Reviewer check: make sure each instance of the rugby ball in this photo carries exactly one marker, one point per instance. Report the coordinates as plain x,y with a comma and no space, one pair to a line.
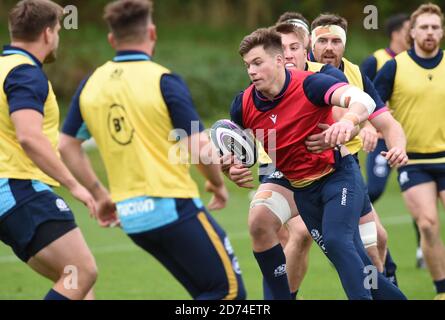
229,138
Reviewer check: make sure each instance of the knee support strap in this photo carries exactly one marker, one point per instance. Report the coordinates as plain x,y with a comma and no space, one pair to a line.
368,233
275,202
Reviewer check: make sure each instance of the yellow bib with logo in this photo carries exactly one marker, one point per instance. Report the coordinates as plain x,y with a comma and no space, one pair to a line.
123,109
14,162
418,103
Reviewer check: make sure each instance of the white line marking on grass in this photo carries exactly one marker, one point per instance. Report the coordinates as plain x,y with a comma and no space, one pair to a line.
10,258
4,259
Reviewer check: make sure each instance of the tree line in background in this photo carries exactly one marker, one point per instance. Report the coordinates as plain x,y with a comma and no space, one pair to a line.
246,13
199,40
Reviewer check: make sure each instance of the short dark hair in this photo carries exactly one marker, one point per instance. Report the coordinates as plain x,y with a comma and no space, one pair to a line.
29,18
325,19
395,23
128,19
268,38
290,15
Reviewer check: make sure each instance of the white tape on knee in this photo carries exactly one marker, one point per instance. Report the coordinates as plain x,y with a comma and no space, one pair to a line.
368,233
275,202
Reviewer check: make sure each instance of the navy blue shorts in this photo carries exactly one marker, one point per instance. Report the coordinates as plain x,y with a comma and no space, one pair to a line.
197,252
278,178
26,227
341,191
415,174
377,171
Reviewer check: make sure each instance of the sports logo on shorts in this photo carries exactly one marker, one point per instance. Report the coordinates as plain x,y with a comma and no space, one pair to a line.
235,265
280,271
381,166
318,238
228,245
403,178
62,206
276,175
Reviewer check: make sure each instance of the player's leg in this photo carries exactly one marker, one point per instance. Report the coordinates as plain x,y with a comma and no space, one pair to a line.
343,196
52,275
42,233
268,212
297,253
199,255
70,264
421,200
420,261
289,236
381,288
440,179
382,240
369,236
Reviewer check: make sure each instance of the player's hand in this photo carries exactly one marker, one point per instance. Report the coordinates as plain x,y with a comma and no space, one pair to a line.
242,176
226,162
219,198
106,213
315,143
339,132
369,137
396,157
84,196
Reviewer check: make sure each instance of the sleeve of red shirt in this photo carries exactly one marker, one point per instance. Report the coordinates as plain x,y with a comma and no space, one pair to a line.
319,87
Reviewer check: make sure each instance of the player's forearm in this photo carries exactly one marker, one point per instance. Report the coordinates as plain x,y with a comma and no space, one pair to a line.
40,151
80,166
208,163
393,134
358,110
390,129
212,172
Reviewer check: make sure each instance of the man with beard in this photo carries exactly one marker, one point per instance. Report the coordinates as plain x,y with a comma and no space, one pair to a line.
329,192
35,222
328,40
377,168
294,236
413,84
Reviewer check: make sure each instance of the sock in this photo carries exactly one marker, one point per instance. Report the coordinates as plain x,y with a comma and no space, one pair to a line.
440,286
54,295
272,263
390,268
267,293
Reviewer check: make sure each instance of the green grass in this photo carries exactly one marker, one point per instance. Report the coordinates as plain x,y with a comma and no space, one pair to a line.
126,272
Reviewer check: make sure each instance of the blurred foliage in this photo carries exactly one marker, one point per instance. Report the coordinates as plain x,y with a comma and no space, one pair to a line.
199,40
